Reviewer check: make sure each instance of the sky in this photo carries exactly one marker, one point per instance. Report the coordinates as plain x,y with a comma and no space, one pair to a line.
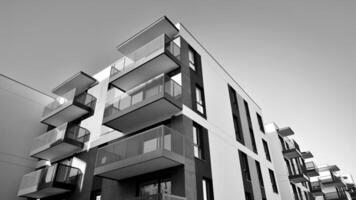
296,59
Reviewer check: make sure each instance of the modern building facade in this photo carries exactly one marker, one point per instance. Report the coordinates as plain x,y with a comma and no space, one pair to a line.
165,121
294,167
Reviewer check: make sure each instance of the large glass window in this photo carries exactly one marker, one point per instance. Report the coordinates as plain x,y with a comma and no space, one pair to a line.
191,57
154,187
260,123
199,99
250,128
207,189
259,173
244,166
273,181
198,141
265,146
236,115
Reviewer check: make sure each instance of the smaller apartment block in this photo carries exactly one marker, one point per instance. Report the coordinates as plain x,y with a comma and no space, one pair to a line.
164,122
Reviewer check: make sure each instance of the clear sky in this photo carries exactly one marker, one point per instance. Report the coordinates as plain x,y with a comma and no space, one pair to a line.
295,58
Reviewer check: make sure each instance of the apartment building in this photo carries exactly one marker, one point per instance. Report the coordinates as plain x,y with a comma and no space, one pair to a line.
294,167
331,185
165,121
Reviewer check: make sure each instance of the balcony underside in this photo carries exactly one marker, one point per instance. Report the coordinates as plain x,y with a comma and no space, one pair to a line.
144,70
159,27
299,178
317,193
81,81
284,132
46,192
146,163
291,153
312,173
65,114
57,150
142,114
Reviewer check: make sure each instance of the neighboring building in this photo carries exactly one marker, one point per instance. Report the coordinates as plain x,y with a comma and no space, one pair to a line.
331,185
294,167
20,111
166,121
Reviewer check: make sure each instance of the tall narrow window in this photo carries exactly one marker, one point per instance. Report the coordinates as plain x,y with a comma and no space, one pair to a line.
199,99
248,196
265,146
244,166
198,141
250,128
238,130
295,192
273,181
191,57
236,115
207,189
260,123
259,173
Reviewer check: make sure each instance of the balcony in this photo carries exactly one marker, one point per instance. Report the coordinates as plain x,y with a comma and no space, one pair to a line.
53,180
310,169
149,103
152,150
332,196
161,55
298,177
80,81
63,140
69,107
292,150
158,197
316,189
284,132
307,155
331,179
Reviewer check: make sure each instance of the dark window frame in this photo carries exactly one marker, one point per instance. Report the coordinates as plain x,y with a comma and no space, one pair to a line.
260,122
273,181
266,148
200,141
202,103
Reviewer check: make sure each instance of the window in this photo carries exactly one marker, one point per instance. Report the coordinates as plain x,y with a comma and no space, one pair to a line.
238,130
236,115
265,146
95,195
295,192
300,193
191,57
207,189
198,141
248,196
259,173
244,166
199,99
250,128
260,123
273,181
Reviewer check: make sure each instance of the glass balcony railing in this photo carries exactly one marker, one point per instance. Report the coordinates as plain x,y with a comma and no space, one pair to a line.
158,197
159,44
84,99
37,183
159,138
155,87
310,165
65,133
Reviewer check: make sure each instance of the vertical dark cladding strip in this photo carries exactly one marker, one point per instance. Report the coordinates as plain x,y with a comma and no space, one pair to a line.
203,166
190,80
